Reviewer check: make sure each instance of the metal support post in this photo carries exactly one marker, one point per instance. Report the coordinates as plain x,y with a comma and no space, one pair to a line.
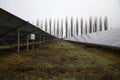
27,43
18,41
44,40
39,41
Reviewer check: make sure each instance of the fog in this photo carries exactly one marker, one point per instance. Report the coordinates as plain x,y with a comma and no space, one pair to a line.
30,10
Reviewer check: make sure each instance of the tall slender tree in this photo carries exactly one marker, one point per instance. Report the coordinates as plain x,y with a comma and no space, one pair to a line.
37,22
57,27
81,26
71,31
46,25
95,24
106,23
54,28
77,25
86,31
90,25
62,28
100,23
74,30
50,24
66,26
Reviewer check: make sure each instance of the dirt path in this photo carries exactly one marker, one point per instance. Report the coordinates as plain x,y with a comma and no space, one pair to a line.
61,60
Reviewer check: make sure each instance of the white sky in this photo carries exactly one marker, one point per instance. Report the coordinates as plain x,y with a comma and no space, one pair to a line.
30,10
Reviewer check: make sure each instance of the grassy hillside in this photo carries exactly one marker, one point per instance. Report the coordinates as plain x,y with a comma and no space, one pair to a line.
60,60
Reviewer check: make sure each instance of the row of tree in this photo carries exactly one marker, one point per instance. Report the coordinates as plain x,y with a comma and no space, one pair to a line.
69,27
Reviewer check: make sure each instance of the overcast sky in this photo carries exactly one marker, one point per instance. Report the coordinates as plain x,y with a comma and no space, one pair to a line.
30,10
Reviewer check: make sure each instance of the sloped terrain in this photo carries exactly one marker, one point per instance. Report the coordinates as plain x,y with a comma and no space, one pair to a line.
60,60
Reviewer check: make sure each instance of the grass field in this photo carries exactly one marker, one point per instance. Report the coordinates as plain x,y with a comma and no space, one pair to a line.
60,60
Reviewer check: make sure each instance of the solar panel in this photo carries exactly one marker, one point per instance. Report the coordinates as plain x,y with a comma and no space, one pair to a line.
106,38
9,24
12,28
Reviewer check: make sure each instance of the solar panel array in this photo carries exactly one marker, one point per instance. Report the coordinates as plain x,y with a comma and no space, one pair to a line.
110,38
9,25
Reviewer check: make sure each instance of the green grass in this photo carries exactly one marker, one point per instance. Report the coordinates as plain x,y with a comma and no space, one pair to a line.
60,60
5,46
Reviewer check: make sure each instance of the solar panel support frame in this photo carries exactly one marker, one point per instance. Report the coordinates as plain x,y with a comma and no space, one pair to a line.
27,42
40,40
18,40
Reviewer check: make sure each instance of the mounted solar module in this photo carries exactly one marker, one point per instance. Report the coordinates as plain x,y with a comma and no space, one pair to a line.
13,29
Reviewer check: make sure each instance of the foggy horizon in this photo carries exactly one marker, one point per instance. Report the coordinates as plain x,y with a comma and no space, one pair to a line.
30,10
